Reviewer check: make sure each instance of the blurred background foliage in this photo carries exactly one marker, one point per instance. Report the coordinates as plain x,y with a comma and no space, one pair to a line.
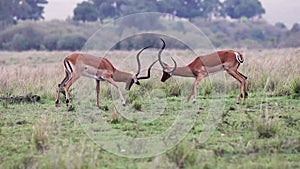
228,24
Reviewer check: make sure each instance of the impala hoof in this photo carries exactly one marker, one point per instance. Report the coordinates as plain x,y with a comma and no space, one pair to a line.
57,103
105,108
194,101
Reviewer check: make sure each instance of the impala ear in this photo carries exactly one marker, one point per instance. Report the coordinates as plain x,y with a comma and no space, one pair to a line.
166,65
135,80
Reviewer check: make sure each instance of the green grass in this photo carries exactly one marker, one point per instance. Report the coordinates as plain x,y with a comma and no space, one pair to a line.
263,132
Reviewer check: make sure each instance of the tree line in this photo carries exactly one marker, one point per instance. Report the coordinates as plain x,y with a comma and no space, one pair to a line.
99,10
19,30
13,11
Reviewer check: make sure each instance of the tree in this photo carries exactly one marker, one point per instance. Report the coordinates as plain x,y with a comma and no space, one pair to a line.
211,8
6,13
109,8
13,10
29,9
85,11
185,9
295,28
243,8
137,6
191,8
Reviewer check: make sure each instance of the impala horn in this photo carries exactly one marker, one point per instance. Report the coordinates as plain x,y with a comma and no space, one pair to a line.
165,69
139,65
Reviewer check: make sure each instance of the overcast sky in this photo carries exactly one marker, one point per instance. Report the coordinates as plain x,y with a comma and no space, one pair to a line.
286,11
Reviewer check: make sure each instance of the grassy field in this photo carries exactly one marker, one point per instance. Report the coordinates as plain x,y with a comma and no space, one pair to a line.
263,132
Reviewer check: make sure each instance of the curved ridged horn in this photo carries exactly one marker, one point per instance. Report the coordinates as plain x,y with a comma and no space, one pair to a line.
165,69
138,60
149,69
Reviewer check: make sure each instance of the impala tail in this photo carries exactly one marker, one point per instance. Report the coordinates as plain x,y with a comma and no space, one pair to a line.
239,57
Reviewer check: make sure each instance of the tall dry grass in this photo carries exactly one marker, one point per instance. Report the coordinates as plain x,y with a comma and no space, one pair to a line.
270,70
273,70
30,72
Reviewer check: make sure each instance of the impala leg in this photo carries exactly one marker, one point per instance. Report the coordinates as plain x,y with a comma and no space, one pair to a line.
58,97
97,92
111,81
194,89
245,85
60,86
240,78
57,104
68,85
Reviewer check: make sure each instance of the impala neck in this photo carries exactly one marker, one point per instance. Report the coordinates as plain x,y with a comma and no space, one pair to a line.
120,76
184,71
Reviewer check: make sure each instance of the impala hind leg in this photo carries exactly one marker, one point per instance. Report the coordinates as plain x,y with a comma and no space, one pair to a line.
245,85
241,79
67,86
60,87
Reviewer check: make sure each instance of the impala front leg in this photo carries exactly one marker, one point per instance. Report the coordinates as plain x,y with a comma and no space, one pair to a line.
110,80
97,92
194,90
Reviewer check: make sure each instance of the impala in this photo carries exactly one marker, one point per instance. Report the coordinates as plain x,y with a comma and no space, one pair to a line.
100,69
200,67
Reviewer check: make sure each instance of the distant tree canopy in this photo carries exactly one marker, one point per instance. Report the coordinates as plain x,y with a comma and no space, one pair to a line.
243,8
192,8
85,11
182,8
70,35
13,10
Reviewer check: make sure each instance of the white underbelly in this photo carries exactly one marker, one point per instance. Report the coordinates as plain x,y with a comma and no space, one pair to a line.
214,69
92,72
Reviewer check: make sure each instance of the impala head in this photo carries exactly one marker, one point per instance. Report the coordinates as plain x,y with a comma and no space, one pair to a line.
135,78
167,70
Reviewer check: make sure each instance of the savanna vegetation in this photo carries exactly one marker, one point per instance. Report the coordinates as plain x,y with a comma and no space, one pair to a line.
22,28
70,35
260,133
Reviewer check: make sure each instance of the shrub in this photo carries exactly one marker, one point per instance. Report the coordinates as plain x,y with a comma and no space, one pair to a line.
40,134
137,105
71,42
172,88
50,41
295,86
266,126
22,37
19,42
182,155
